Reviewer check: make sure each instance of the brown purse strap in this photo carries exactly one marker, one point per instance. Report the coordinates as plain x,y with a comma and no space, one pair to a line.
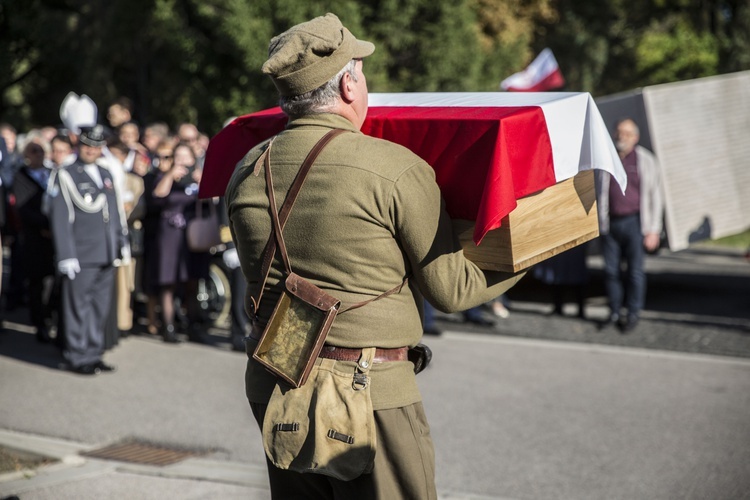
279,218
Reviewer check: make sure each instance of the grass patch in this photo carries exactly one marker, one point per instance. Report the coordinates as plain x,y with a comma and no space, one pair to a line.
740,240
14,461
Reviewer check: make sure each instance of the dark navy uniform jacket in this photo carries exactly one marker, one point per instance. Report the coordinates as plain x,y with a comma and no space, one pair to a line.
84,218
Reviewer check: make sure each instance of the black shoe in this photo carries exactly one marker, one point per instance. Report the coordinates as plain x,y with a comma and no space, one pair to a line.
42,336
169,335
481,321
196,335
59,340
432,330
476,318
104,367
88,369
629,325
612,320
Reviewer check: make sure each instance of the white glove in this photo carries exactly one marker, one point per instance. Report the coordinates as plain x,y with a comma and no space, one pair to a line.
125,253
231,259
69,267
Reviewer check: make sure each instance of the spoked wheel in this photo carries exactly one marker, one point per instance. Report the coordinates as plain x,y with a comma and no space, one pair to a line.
215,296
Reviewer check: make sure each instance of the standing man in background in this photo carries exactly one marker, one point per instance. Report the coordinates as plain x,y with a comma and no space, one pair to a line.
37,249
89,239
630,224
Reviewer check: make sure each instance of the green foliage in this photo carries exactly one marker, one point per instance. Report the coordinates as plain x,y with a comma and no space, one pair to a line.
617,45
674,51
422,45
199,60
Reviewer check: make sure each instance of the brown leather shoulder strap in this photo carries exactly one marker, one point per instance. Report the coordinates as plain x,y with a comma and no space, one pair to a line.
395,289
280,218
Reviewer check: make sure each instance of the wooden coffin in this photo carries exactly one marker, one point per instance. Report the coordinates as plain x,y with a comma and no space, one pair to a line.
543,224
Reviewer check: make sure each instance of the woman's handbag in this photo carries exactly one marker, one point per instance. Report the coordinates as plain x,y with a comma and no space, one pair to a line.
203,232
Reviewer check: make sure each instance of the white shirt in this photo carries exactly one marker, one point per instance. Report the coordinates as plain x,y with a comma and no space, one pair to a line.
93,171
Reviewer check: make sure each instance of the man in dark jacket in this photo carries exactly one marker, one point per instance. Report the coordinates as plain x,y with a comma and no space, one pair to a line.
37,249
89,239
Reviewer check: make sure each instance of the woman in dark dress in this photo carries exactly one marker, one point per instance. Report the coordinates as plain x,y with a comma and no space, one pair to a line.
151,221
198,262
177,269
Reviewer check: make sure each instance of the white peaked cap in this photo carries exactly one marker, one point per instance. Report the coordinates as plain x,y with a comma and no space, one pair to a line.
78,111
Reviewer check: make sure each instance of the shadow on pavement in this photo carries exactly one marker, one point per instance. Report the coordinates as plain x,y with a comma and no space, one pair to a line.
23,346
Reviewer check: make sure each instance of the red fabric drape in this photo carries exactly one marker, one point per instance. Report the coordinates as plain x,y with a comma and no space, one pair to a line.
485,158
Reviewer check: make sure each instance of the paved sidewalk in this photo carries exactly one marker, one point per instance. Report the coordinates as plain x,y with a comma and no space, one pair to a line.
559,408
698,301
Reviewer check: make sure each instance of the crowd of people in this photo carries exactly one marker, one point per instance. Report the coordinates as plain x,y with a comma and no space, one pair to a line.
51,180
156,172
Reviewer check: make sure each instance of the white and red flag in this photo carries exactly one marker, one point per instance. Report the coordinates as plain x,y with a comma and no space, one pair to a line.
488,149
542,74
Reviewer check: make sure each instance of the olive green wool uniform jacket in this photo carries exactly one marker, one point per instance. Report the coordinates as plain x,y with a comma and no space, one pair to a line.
369,215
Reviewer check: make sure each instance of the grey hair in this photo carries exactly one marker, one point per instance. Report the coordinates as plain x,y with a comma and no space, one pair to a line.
629,119
319,100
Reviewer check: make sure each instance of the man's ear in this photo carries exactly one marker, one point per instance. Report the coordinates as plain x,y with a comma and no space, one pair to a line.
347,88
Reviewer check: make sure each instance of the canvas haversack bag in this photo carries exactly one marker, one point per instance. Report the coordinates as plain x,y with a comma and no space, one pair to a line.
326,426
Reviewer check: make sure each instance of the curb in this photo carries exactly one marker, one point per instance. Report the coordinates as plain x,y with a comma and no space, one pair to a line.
71,466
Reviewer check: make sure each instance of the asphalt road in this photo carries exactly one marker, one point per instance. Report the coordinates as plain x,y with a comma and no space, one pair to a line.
536,407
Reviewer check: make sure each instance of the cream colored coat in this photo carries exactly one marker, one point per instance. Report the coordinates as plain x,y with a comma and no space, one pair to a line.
652,201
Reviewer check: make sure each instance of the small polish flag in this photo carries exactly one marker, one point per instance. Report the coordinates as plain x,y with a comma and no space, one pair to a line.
542,74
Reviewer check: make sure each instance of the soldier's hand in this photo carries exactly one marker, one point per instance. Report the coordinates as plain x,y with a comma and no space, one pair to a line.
125,255
231,259
69,268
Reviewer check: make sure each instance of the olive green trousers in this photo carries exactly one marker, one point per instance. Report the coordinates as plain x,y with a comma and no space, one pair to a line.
404,464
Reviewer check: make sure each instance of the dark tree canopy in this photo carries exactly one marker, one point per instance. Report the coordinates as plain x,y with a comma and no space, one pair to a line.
199,60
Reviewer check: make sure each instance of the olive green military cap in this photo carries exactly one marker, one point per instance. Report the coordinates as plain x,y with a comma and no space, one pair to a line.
309,54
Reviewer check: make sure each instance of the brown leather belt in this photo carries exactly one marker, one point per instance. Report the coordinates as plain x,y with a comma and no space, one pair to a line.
349,354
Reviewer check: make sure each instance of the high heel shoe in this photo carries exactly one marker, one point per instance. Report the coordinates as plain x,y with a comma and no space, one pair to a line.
169,335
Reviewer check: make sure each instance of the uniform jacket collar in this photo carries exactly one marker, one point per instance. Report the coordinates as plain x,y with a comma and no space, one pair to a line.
327,120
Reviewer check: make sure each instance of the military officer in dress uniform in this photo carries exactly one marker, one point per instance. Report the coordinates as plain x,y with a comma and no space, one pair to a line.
89,240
